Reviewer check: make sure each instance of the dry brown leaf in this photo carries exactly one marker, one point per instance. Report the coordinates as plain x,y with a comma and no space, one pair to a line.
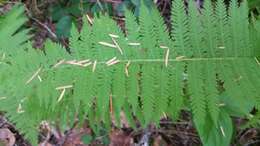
119,138
74,137
45,144
7,137
159,141
123,120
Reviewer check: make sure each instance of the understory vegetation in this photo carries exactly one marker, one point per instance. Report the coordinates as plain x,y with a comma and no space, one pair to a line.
108,77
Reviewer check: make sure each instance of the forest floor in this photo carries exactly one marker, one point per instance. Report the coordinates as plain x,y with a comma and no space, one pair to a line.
179,133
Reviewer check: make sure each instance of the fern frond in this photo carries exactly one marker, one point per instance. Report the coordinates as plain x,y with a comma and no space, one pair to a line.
119,91
10,37
198,99
147,96
179,31
83,90
246,47
222,26
161,34
211,91
235,27
161,91
195,28
147,35
142,73
209,22
102,95
176,85
132,86
74,39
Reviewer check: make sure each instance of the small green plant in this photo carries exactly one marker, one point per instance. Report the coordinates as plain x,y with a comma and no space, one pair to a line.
65,12
254,4
10,37
207,65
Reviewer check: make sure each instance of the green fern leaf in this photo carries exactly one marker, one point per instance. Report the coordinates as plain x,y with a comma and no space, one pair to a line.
179,31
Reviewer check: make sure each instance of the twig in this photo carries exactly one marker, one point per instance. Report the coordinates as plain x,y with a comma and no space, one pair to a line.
118,47
126,68
41,24
167,57
39,77
94,66
64,87
145,139
111,60
20,109
222,131
59,63
46,126
107,44
113,35
90,20
100,5
62,94
2,98
33,76
252,143
45,27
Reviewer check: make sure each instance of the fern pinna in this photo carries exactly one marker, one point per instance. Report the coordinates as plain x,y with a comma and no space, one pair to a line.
208,65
